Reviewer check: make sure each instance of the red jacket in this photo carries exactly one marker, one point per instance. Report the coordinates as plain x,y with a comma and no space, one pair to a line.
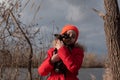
72,59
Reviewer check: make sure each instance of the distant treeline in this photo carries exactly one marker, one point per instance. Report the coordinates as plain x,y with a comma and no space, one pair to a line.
91,60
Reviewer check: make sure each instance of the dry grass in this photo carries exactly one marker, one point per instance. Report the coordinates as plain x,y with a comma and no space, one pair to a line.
92,77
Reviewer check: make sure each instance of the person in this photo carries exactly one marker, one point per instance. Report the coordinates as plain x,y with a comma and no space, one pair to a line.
65,58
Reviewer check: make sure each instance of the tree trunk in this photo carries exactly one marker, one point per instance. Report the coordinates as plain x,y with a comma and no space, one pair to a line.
112,33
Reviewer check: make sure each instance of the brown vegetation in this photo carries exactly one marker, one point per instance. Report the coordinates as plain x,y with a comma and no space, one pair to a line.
15,47
17,61
21,60
92,60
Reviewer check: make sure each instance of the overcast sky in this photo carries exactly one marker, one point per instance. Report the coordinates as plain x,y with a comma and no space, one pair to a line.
78,12
57,13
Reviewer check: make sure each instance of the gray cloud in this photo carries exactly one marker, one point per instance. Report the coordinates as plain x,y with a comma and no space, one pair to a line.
77,12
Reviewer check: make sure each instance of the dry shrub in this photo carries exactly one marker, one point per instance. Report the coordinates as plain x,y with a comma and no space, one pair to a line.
90,60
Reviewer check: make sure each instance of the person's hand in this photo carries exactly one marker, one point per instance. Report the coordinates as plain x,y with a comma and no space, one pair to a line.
59,44
55,58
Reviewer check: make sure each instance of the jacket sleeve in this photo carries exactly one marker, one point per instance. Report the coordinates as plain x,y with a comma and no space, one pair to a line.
46,66
73,60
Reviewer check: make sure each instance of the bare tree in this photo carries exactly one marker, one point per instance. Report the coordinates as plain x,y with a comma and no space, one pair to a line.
11,30
112,33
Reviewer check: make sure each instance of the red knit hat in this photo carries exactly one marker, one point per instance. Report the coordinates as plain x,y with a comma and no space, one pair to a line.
70,27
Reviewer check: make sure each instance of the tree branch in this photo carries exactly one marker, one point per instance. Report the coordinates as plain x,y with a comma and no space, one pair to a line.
31,50
100,13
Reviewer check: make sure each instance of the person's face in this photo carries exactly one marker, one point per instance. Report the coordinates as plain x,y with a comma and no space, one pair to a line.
72,36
